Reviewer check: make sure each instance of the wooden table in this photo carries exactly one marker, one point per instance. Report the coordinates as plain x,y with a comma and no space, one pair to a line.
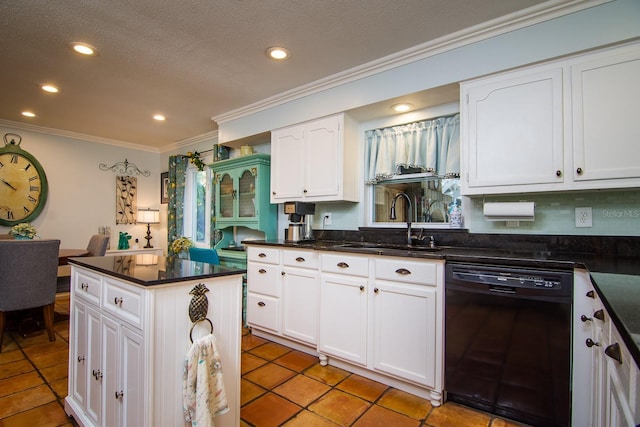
65,254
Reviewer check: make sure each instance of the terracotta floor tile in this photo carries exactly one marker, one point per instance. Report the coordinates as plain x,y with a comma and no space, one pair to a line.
270,350
49,415
453,415
362,387
60,387
405,403
340,407
249,391
302,390
249,362
11,356
25,400
296,360
250,341
327,374
56,372
52,358
378,416
309,419
269,376
268,411
15,368
20,382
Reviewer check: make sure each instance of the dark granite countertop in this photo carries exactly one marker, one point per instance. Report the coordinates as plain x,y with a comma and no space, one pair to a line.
615,275
136,269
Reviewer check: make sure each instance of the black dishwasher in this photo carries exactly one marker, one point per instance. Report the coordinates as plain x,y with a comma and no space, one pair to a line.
508,341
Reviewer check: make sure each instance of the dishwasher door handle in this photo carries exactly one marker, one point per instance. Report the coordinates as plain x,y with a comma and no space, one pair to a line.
502,289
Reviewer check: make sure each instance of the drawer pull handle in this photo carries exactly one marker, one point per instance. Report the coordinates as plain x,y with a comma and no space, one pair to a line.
119,394
361,288
80,359
591,294
403,271
585,318
261,304
84,286
118,301
613,351
590,343
343,265
262,271
300,259
262,255
599,315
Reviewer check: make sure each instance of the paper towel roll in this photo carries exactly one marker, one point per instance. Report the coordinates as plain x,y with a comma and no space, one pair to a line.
509,211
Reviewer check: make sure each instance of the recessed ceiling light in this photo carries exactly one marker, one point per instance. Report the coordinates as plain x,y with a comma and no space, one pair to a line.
50,88
83,48
278,53
28,114
159,117
401,108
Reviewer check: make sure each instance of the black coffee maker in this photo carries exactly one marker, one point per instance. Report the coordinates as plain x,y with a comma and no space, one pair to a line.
301,221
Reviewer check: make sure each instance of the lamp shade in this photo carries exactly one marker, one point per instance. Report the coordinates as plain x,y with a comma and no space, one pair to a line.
149,216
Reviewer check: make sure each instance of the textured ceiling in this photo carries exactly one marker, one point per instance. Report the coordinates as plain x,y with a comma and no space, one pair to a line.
192,60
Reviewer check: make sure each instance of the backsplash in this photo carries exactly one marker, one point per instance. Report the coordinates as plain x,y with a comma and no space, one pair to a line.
614,213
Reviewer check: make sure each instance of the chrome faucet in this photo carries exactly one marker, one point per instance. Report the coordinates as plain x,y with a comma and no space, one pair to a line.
392,215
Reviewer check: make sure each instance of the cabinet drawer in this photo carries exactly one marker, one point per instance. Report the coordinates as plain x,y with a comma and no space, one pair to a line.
87,286
345,264
303,259
263,254
400,270
263,312
263,278
124,301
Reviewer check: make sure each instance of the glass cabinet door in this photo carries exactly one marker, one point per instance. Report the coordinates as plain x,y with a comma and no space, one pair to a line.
227,195
247,195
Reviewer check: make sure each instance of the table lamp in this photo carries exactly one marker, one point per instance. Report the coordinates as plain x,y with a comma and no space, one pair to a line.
149,216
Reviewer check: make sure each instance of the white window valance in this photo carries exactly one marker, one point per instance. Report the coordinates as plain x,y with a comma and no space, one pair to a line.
429,145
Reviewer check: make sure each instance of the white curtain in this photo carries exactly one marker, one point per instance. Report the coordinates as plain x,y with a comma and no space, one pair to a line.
429,145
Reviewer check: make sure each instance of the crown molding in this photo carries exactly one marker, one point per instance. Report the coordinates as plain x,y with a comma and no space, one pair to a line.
514,21
76,135
205,137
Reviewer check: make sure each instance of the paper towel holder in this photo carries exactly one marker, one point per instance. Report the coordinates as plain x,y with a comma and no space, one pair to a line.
509,211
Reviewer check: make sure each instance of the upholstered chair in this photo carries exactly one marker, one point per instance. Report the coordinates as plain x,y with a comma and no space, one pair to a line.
28,273
204,255
98,244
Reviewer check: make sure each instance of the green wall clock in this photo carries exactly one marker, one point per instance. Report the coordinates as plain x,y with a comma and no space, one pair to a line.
23,183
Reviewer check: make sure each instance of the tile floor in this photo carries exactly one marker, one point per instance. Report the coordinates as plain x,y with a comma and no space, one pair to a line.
280,386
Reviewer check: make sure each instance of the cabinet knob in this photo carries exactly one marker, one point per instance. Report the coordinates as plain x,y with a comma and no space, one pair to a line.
81,359
84,286
591,294
282,273
304,191
599,315
96,374
585,318
558,173
118,301
613,351
590,343
119,394
376,290
579,171
261,304
403,271
262,271
361,288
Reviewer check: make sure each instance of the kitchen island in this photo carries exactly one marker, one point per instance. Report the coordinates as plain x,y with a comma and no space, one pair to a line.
130,331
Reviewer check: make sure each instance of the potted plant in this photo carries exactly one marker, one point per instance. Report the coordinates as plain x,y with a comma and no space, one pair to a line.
23,231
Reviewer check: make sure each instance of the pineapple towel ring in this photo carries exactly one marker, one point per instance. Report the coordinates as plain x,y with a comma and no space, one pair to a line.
198,307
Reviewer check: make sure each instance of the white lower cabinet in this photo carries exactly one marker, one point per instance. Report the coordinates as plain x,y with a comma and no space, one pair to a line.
300,303
128,344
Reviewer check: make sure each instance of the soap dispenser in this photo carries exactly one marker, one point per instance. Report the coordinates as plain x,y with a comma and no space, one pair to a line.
455,216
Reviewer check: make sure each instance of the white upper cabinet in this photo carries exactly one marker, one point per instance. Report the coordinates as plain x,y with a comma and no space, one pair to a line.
563,125
315,161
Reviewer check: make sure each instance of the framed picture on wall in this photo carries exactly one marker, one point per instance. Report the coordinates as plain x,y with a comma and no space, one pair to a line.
164,187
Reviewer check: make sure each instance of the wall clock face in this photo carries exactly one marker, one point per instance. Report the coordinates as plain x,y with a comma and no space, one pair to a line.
23,186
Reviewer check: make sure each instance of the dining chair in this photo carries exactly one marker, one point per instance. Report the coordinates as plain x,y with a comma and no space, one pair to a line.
98,244
28,273
204,255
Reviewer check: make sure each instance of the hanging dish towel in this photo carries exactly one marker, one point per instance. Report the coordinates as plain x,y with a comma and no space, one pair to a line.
203,387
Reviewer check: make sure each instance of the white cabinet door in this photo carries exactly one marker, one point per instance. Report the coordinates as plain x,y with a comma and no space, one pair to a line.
300,304
287,167
512,131
323,171
110,341
343,317
606,89
405,331
131,378
78,354
94,364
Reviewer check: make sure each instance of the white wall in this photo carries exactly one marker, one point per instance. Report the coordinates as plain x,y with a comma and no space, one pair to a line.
81,196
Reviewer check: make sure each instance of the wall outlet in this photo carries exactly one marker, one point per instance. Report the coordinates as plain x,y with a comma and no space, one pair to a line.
326,218
584,217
